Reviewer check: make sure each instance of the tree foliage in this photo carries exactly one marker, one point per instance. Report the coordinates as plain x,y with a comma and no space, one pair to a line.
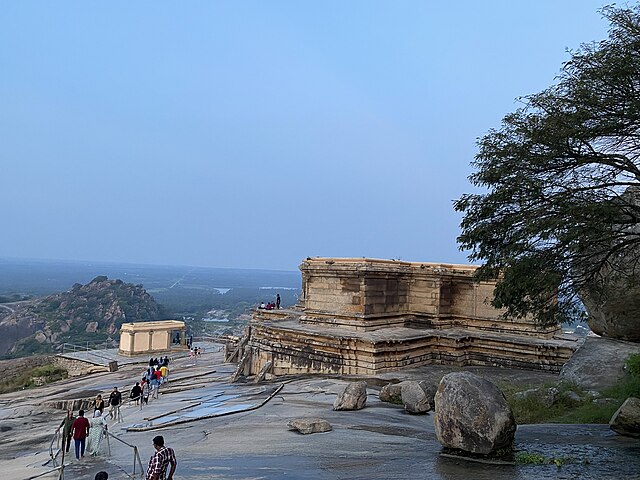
560,177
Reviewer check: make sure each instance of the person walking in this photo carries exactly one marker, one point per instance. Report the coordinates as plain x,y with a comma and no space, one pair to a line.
98,405
164,370
160,460
136,393
115,399
80,430
66,425
98,427
155,385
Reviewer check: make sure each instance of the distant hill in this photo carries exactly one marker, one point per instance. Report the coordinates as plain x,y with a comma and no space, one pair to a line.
92,313
213,301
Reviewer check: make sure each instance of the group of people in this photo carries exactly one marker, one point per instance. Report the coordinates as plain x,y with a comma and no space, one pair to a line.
159,362
152,378
87,434
271,305
114,402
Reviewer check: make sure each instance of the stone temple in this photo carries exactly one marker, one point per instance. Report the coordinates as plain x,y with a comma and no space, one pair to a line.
360,316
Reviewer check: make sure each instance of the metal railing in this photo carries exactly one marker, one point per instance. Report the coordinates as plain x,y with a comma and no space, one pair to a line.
74,347
55,451
70,347
53,456
136,454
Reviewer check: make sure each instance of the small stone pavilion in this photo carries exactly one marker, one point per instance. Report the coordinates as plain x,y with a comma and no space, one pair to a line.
362,316
152,337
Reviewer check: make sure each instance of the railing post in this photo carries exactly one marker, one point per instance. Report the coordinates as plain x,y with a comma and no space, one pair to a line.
139,462
62,462
135,453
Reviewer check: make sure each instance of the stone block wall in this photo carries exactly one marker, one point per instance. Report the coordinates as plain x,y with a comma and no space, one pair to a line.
77,368
365,294
293,350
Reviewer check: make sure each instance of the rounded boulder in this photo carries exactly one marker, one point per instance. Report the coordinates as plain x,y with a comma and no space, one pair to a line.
472,415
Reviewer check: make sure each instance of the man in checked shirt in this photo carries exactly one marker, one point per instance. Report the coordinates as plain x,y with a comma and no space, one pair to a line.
160,460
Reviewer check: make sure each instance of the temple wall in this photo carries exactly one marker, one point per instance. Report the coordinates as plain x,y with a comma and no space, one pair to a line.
147,337
386,294
335,295
140,342
294,351
125,340
424,295
362,294
160,340
362,316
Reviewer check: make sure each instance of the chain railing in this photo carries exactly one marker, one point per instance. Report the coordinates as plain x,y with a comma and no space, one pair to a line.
57,448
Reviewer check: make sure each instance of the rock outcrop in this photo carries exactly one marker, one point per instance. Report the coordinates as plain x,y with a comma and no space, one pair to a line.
353,397
309,425
472,415
618,316
598,363
626,421
96,309
612,297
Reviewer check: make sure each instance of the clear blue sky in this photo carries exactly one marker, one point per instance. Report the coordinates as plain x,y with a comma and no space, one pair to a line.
255,134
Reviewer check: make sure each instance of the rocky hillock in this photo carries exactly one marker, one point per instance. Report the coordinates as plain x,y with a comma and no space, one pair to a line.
86,313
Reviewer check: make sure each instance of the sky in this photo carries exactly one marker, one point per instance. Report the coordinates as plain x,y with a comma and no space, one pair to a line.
255,134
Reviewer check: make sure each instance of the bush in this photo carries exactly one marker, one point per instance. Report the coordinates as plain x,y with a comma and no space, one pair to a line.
25,379
633,365
530,409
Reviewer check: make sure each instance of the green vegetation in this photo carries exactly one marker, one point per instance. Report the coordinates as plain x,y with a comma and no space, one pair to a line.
559,182
25,380
527,458
633,364
532,458
532,408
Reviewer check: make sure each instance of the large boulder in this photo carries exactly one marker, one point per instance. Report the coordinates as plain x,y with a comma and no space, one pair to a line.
617,316
612,297
309,425
472,414
353,397
626,421
417,397
598,363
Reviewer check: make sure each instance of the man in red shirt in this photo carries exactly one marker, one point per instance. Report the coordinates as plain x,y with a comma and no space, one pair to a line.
160,460
80,429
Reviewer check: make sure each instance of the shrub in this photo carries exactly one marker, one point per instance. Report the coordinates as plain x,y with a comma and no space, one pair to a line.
633,364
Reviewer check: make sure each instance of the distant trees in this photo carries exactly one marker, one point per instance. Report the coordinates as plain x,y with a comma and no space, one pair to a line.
560,209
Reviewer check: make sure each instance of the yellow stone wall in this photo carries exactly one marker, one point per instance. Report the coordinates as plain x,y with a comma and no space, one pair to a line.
364,294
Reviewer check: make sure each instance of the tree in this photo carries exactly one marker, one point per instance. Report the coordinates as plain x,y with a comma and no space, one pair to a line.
561,182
